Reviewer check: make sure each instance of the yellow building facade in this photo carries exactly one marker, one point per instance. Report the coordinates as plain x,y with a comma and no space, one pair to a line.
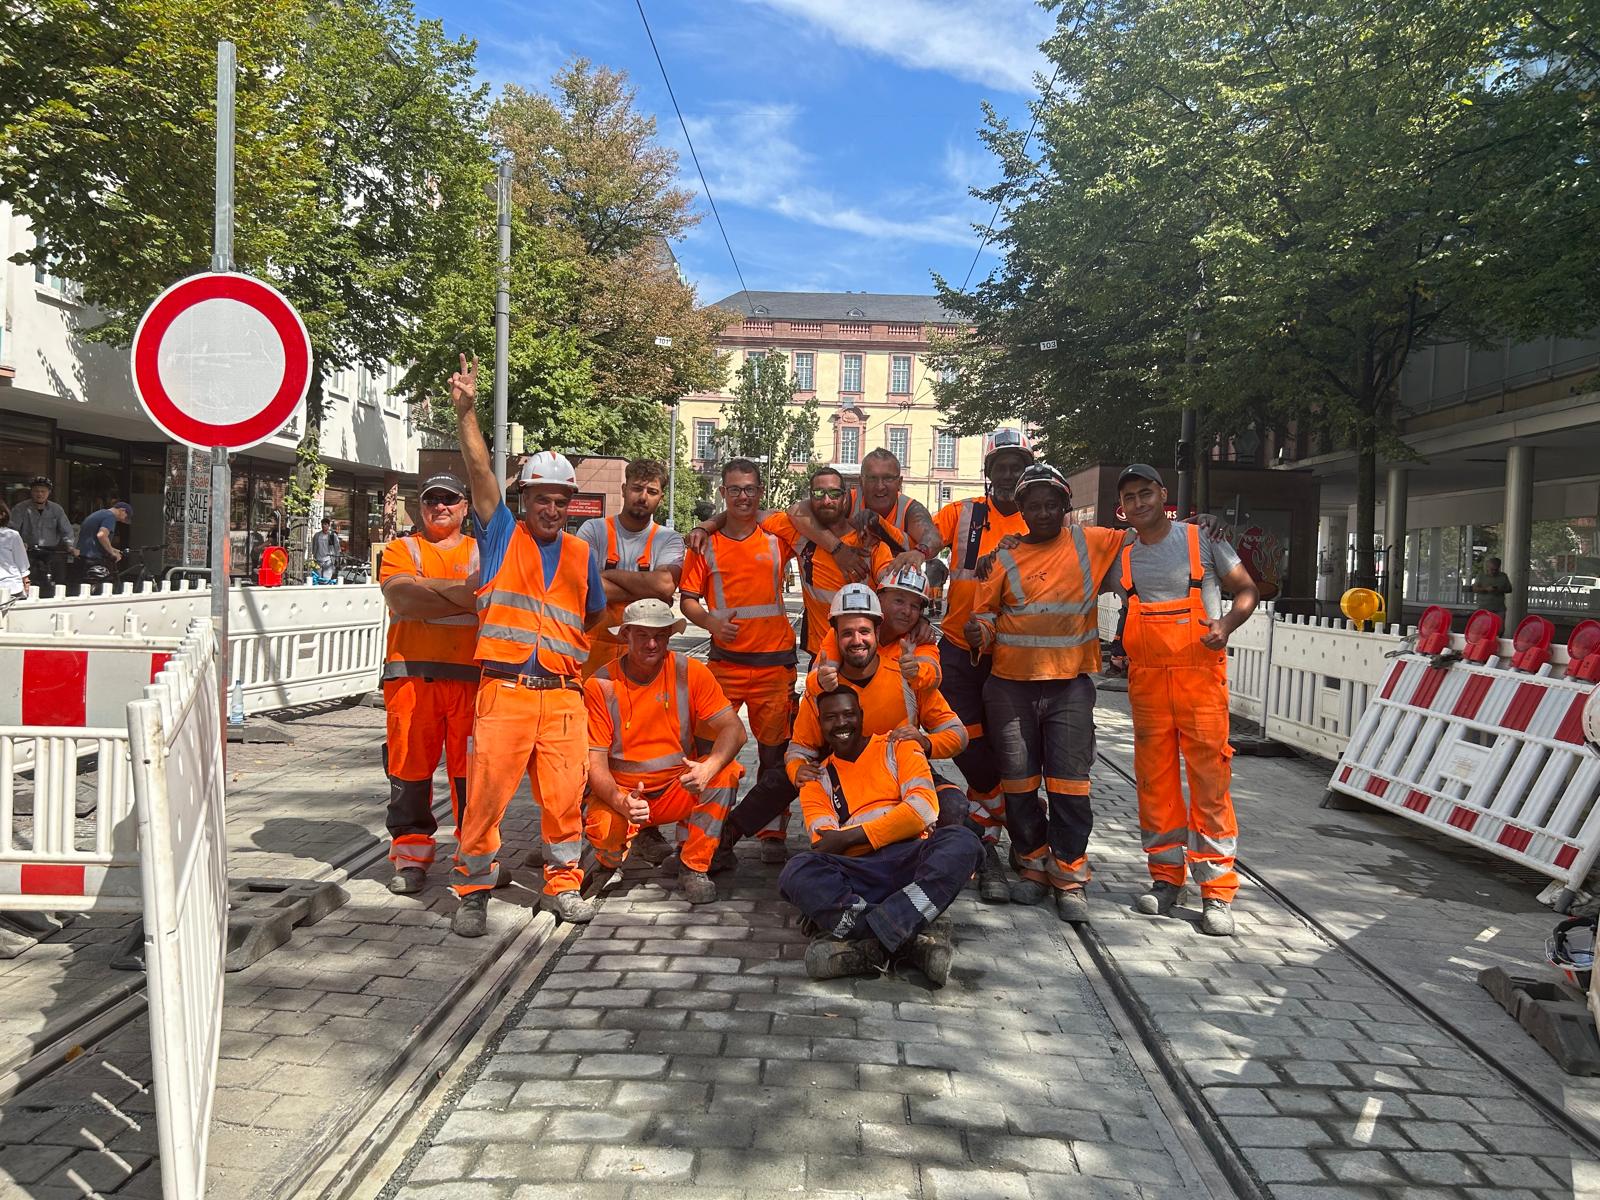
862,356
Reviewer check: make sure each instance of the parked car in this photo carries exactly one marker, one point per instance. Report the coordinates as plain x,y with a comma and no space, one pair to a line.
1578,583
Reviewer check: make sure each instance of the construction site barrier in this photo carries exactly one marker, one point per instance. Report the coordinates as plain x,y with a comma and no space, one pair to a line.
175,739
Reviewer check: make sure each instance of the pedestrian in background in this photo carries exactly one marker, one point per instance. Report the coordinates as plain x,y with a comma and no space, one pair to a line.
45,531
1491,586
97,548
13,559
325,548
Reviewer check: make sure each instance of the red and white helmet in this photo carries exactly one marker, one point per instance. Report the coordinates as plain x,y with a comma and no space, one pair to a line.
1004,439
907,579
547,469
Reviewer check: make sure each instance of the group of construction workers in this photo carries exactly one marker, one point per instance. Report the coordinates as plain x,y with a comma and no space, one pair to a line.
528,651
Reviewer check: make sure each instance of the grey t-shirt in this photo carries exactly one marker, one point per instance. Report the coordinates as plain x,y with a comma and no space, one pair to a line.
1495,601
666,551
1161,569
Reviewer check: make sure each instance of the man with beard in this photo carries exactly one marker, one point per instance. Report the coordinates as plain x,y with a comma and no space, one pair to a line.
429,583
878,875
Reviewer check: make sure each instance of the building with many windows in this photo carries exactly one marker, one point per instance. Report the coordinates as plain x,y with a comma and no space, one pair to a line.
862,356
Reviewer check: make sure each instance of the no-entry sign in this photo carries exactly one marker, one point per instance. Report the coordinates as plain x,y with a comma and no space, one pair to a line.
221,360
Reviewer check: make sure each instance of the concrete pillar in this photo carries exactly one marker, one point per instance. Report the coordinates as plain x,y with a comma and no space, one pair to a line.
1333,541
1394,540
1517,532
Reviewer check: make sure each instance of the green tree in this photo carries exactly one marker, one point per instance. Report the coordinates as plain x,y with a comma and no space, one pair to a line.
761,422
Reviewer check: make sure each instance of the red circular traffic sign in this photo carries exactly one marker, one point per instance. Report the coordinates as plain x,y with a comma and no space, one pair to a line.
221,359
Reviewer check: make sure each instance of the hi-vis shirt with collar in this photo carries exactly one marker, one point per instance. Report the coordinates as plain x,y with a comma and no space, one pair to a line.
887,790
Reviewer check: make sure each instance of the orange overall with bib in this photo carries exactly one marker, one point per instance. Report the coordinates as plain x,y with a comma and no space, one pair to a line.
604,645
1178,694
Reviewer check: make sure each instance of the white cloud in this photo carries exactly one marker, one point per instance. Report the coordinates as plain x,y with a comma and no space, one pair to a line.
992,42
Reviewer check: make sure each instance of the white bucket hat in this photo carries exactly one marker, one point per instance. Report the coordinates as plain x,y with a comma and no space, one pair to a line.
652,614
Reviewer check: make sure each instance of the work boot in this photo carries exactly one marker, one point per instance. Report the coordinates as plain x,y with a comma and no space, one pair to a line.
471,917
1216,917
834,958
651,847
930,952
993,888
407,881
697,887
1028,891
724,860
774,851
1160,900
569,906
1072,905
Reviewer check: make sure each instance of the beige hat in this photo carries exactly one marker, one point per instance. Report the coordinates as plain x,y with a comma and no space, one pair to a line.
652,614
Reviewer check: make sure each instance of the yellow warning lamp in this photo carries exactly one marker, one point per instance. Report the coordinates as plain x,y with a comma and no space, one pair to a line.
1361,605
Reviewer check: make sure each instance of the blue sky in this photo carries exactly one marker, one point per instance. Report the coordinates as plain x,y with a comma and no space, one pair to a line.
839,136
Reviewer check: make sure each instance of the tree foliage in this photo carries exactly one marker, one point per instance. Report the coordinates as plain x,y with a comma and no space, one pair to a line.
760,421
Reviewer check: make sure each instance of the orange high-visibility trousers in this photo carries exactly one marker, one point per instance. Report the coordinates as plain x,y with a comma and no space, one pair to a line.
424,718
543,735
770,701
610,833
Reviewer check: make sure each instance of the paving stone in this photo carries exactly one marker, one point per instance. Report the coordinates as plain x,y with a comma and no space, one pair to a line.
1280,1165
949,1183
639,1164
749,1169
521,1162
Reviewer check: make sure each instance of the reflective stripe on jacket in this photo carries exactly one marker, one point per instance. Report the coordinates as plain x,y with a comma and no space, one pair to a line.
522,617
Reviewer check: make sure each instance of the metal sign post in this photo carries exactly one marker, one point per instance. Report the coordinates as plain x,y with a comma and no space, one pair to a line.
221,477
502,324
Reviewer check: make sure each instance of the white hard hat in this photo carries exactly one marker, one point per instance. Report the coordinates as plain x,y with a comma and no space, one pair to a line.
855,600
907,579
546,469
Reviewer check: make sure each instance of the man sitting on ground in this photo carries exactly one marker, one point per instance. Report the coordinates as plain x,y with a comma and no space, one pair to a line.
876,878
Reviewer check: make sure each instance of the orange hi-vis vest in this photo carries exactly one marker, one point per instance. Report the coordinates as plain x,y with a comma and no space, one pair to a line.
430,647
893,523
520,616
888,700
887,790
743,578
971,528
602,642
648,730
1042,602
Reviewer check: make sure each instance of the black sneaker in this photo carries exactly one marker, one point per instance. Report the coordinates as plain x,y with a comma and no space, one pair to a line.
471,917
835,958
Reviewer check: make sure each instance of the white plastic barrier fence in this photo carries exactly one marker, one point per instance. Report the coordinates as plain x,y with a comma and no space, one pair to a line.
1320,675
178,784
1490,756
1249,649
63,714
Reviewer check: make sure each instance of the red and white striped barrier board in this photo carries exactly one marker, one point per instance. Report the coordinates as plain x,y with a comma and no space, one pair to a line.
68,686
1492,757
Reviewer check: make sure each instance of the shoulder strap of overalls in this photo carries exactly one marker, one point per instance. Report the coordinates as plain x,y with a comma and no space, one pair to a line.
1196,567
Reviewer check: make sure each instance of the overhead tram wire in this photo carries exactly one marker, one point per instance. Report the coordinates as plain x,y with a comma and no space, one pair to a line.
684,125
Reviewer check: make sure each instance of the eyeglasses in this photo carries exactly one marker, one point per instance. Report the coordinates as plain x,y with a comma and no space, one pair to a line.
741,491
441,499
880,478
827,493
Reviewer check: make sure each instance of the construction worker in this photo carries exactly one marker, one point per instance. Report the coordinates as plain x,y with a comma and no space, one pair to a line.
897,519
733,589
646,708
638,558
1175,636
540,589
430,679
974,529
1037,615
877,874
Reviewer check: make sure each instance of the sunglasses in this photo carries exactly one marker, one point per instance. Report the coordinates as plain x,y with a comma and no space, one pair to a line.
446,499
827,493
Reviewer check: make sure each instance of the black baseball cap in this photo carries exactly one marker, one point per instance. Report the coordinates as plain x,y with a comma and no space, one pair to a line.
1140,471
444,481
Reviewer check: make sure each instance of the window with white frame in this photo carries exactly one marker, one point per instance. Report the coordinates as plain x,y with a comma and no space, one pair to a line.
850,444
805,371
850,373
43,278
799,454
900,444
944,450
391,395
947,374
338,382
704,433
900,374
754,357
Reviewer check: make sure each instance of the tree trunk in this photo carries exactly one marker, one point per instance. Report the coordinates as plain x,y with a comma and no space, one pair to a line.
305,487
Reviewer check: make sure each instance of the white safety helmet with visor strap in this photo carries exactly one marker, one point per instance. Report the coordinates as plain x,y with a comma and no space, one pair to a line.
547,469
907,579
855,600
1042,474
1004,439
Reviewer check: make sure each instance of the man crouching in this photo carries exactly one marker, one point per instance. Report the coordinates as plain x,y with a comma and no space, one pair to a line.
876,877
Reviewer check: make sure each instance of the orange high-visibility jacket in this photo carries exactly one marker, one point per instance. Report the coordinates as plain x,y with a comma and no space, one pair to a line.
894,524
1041,603
888,700
888,791
430,647
604,643
647,730
521,616
743,578
820,576
971,528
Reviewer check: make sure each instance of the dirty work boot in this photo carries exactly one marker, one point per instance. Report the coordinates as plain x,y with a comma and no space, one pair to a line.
1160,900
774,851
930,952
724,860
834,958
471,916
697,887
992,885
1028,891
651,847
407,881
1072,905
569,906
1216,918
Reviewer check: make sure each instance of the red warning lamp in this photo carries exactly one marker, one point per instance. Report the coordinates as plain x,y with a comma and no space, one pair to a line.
1532,643
273,562
1482,637
1433,630
1583,652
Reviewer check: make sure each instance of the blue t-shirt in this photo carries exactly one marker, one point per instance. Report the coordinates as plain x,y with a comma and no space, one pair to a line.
88,533
495,540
